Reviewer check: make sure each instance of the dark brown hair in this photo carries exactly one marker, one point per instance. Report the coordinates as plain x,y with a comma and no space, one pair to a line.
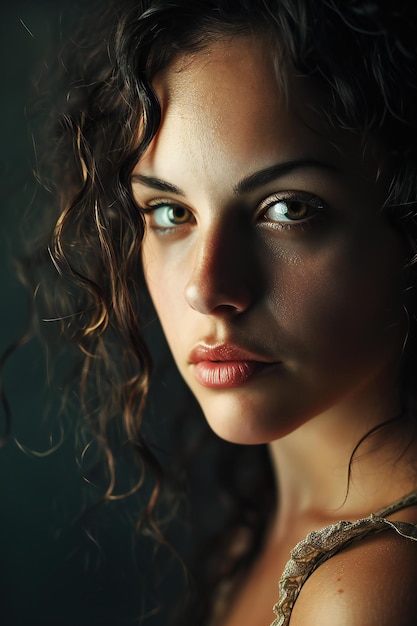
92,254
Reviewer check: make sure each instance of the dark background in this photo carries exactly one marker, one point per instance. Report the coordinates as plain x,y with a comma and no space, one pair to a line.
51,572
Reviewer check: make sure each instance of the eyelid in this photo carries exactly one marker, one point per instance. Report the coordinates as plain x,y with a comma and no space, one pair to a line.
152,207
284,222
292,196
155,203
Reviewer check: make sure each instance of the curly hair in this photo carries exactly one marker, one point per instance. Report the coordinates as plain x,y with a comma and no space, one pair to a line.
363,55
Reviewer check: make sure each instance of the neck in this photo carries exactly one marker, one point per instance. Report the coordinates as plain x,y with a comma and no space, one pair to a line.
322,478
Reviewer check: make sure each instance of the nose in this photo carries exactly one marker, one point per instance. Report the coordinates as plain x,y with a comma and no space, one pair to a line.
224,278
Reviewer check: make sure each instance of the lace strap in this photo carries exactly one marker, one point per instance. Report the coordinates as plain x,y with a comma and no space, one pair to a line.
321,545
408,500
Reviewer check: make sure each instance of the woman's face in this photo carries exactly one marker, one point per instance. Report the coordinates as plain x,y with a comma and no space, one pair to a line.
277,280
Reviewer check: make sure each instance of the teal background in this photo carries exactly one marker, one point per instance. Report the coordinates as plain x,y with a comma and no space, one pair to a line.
51,573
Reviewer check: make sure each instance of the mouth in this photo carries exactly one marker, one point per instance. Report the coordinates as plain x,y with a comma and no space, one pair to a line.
226,366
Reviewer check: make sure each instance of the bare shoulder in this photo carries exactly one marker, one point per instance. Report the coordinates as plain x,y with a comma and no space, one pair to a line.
373,582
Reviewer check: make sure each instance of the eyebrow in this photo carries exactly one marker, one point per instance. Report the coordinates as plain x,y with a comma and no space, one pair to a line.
156,183
267,175
247,184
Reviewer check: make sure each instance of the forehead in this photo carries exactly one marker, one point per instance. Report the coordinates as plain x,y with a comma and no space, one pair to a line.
233,81
235,103
219,73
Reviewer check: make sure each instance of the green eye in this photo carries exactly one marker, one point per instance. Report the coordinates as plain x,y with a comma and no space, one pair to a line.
288,211
291,208
170,216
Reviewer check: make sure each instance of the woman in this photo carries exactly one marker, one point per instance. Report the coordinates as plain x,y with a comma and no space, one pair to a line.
259,161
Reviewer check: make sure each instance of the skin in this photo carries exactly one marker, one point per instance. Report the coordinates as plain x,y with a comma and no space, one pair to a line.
371,583
319,295
322,296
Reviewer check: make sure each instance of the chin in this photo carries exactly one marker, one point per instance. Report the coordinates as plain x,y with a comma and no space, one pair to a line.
245,425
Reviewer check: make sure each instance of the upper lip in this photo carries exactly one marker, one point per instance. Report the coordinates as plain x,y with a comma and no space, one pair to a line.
224,352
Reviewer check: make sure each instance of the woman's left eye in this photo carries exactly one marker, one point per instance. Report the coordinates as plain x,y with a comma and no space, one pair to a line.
168,216
285,210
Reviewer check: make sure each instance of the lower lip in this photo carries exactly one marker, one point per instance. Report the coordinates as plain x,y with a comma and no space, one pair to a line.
227,374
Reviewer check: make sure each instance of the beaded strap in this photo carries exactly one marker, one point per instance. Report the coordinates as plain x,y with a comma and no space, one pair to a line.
321,545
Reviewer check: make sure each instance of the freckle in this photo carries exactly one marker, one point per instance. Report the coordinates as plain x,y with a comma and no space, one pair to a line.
340,590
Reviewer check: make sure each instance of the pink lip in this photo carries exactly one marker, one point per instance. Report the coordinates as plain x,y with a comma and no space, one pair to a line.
225,366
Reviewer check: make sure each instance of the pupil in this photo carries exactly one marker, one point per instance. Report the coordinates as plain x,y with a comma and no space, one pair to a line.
178,214
297,209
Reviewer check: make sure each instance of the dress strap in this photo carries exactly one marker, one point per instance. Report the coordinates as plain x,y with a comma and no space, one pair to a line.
321,545
408,500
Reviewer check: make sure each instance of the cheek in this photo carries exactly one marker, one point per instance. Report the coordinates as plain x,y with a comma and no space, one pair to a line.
342,302
165,282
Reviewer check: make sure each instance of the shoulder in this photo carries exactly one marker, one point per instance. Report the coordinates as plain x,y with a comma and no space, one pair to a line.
372,582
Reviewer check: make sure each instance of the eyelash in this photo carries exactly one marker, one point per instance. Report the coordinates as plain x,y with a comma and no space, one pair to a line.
169,205
314,206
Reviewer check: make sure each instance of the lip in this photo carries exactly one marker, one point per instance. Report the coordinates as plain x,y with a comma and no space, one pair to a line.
224,366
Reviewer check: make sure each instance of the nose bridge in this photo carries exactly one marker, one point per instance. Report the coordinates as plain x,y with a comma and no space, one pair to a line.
223,270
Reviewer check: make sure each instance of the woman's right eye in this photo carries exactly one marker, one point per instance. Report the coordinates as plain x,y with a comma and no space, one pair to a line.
168,216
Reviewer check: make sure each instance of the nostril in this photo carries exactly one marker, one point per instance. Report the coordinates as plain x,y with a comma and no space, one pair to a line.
228,310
